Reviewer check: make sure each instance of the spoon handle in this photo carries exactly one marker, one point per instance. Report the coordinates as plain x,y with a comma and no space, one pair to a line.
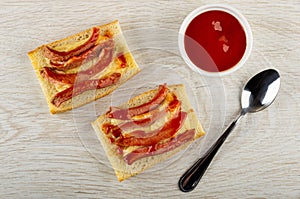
190,179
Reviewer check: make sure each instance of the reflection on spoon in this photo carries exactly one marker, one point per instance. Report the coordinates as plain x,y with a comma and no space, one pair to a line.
260,91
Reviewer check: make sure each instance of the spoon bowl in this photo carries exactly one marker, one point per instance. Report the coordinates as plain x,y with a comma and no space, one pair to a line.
260,91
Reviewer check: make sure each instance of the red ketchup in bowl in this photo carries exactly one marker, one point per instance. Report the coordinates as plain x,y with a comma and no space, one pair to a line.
215,41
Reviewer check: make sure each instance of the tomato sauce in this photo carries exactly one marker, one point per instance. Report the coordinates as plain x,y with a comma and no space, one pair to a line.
122,59
215,41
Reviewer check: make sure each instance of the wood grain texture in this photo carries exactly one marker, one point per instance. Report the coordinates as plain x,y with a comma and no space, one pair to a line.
58,156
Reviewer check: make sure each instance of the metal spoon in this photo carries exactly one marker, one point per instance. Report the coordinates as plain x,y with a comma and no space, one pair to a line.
258,93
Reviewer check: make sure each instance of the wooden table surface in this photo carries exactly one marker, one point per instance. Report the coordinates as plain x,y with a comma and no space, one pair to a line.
58,156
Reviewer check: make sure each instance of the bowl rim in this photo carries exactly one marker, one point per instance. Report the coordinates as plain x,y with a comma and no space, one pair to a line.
221,7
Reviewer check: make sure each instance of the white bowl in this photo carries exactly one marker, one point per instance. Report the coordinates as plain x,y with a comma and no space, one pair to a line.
218,7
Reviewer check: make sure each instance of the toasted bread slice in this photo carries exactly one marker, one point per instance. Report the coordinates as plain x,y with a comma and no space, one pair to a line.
50,89
122,169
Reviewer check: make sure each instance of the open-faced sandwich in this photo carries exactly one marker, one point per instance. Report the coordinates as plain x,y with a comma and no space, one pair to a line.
83,67
148,129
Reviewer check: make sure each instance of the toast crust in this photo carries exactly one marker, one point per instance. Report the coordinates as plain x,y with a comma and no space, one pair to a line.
123,170
39,61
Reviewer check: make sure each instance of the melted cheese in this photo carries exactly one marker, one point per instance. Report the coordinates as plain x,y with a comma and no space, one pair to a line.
60,87
129,150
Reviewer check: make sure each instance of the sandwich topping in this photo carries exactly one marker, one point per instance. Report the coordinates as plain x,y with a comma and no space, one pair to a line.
159,148
60,56
153,137
124,114
63,63
131,130
78,60
83,86
148,118
104,59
